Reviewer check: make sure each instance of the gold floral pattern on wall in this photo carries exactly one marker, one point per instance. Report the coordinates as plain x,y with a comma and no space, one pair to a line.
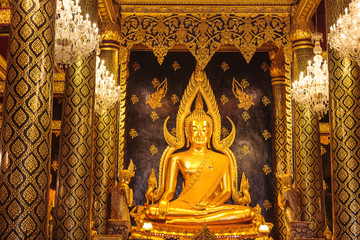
154,116
266,169
225,66
245,115
134,99
136,66
245,100
55,165
323,150
153,150
133,133
245,150
267,204
154,100
224,132
176,66
224,99
155,82
265,100
174,98
266,134
265,66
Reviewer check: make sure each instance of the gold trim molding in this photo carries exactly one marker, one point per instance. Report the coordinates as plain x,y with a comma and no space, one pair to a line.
207,2
107,10
5,15
3,66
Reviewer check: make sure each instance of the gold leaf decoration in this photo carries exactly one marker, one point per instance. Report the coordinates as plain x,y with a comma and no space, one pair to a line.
267,204
136,66
245,100
225,66
245,115
245,149
173,131
176,66
155,82
323,150
154,116
325,185
224,99
266,134
154,100
265,100
224,132
266,169
134,99
153,150
55,165
174,98
265,66
133,133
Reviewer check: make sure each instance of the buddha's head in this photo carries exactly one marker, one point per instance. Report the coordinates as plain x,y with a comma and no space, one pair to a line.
198,125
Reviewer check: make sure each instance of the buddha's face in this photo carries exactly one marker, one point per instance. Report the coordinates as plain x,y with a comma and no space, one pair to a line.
199,132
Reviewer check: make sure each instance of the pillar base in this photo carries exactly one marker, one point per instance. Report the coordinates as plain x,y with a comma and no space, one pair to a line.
300,230
119,227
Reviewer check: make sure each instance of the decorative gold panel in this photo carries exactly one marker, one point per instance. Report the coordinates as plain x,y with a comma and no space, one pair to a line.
26,132
5,15
3,66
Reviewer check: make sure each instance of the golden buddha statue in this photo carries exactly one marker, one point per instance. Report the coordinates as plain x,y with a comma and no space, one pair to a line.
207,184
210,176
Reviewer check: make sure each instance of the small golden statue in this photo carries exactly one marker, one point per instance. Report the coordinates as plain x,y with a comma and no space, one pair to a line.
289,201
122,195
210,177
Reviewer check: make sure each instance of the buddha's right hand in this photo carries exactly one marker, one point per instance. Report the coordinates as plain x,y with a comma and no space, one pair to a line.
163,205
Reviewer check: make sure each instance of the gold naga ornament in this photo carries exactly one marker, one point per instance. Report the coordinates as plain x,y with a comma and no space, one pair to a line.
210,178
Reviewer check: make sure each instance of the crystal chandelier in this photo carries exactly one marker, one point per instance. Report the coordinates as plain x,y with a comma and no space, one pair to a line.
312,90
74,35
344,35
106,93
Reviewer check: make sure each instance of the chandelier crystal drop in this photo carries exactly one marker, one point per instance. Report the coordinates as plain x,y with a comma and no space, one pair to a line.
74,36
312,90
106,93
344,35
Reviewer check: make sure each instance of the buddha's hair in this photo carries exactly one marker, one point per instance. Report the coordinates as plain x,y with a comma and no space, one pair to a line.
200,115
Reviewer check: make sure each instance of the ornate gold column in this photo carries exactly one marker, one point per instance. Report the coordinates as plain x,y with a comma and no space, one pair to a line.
278,82
345,141
26,130
72,213
308,163
105,137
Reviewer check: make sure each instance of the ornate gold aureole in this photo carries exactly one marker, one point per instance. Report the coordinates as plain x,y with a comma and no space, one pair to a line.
26,128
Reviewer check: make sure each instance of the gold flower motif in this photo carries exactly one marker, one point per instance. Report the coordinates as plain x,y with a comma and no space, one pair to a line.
136,66
155,82
245,115
265,66
224,132
173,131
244,83
55,165
133,133
325,186
153,150
323,150
245,149
174,98
225,66
134,99
224,99
266,169
265,100
176,65
267,204
154,116
266,134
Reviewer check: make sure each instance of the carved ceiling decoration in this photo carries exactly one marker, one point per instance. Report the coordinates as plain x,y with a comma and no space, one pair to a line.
207,2
204,34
